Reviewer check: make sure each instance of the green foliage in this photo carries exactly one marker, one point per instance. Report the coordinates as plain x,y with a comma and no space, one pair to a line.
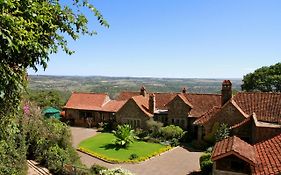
102,147
95,169
265,79
133,156
115,171
30,30
50,98
153,127
222,132
171,131
206,164
124,135
48,141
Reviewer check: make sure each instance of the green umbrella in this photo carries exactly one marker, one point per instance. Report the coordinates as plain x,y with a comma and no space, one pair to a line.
52,112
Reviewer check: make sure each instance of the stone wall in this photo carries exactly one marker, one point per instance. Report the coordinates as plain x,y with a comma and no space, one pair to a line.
86,118
178,113
130,113
228,115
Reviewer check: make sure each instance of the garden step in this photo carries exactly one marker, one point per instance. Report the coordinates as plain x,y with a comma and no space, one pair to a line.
36,169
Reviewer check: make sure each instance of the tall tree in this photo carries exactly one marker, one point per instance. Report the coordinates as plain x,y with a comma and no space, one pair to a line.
30,30
265,79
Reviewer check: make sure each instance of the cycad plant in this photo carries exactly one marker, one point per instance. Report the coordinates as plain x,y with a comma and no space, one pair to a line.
124,135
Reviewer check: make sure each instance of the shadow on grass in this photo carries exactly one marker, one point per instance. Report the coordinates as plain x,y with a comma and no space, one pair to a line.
112,146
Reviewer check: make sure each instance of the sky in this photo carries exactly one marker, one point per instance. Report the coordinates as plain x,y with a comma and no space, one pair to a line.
175,39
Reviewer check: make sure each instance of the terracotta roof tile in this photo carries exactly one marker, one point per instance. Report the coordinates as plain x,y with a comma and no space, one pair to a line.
207,116
161,98
234,146
202,103
266,106
86,101
143,103
268,156
113,106
126,95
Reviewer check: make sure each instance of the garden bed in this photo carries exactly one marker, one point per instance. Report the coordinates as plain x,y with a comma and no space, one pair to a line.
102,146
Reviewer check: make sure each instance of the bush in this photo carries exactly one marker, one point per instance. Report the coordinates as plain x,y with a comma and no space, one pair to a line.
153,127
171,131
95,169
206,164
49,142
174,142
124,135
141,134
133,156
222,132
115,171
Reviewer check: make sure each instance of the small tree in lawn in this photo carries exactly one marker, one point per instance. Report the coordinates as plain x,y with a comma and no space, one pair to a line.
124,135
222,132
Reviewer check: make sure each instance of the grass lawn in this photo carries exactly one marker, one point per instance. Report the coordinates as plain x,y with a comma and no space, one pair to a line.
102,146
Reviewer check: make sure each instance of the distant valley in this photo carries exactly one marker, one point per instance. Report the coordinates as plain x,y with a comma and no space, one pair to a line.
114,85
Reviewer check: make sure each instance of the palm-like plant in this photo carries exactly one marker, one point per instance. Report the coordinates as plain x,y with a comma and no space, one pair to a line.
124,135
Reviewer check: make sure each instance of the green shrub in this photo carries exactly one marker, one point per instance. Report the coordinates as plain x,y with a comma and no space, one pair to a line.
133,156
206,164
171,131
154,127
49,142
124,135
222,132
115,171
141,134
174,142
95,169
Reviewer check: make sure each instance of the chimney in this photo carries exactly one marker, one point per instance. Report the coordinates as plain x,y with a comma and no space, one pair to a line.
226,91
143,91
151,103
184,90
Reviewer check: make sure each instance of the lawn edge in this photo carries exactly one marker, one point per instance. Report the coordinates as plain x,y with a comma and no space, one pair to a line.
116,161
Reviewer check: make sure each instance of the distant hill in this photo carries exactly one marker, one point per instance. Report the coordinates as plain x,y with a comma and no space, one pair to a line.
114,85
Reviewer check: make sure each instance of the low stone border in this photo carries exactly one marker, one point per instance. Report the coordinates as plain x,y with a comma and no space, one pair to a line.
168,148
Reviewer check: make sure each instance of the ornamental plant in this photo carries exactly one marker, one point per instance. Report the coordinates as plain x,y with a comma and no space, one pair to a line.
124,135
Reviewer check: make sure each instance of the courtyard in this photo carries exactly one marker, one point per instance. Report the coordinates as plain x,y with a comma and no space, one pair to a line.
178,161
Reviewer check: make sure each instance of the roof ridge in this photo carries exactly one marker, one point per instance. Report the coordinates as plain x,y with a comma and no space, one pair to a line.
203,94
74,92
258,92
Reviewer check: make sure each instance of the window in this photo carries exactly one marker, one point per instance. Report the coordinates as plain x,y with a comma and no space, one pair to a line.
173,121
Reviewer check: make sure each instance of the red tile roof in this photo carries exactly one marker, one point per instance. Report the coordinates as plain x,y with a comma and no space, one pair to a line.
143,103
264,157
126,95
184,99
161,98
266,106
268,156
113,106
86,101
202,103
207,116
234,146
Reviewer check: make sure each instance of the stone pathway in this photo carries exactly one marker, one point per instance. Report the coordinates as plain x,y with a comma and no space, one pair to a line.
35,169
177,161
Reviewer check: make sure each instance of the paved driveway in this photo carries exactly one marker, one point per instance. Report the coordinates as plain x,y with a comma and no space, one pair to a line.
177,161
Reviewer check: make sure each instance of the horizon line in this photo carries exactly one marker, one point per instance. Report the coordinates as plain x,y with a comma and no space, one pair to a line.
135,77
